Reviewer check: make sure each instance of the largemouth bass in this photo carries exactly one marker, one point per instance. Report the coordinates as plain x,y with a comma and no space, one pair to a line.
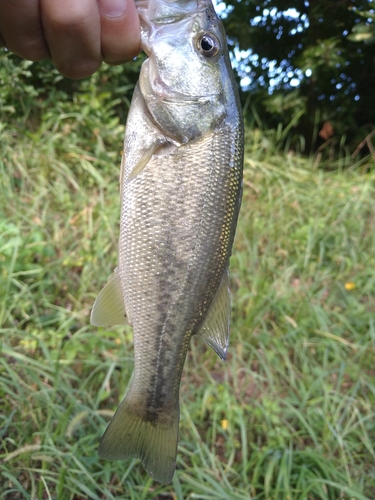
181,181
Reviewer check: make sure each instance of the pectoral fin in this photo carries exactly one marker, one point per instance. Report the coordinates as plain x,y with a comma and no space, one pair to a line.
215,328
108,308
145,158
122,173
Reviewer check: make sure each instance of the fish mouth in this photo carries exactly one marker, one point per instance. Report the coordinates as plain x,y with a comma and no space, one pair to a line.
166,93
184,99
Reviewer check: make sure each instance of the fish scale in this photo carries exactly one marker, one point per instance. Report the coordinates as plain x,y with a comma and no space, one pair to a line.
181,185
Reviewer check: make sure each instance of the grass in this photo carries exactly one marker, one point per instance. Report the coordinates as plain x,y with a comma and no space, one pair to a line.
289,416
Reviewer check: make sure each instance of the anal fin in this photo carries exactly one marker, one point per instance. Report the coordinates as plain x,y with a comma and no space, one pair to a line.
109,308
215,328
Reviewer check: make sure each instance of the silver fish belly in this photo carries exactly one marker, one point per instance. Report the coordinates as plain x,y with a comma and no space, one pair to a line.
181,183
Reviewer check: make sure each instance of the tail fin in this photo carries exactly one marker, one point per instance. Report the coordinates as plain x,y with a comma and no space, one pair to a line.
132,435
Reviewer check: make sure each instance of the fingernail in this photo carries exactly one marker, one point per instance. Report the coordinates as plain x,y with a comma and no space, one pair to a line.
112,8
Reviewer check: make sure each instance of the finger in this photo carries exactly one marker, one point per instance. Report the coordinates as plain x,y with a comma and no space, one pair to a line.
72,31
120,31
21,29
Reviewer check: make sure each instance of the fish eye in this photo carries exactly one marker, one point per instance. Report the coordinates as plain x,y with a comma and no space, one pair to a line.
208,44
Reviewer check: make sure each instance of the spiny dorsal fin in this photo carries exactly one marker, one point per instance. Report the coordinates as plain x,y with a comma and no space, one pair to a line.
108,308
215,328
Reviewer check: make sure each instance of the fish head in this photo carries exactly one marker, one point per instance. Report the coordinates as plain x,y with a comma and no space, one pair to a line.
185,80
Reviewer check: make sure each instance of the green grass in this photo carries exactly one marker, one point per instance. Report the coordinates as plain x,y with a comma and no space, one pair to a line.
289,416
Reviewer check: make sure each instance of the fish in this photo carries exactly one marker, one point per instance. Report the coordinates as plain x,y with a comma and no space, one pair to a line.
180,190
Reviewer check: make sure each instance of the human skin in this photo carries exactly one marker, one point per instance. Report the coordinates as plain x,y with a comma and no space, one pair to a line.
76,35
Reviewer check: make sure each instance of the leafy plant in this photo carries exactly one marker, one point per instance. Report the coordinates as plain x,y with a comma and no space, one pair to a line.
364,31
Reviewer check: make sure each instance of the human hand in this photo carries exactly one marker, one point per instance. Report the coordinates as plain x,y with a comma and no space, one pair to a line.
76,34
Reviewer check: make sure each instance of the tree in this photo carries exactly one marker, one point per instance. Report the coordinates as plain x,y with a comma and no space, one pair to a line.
303,59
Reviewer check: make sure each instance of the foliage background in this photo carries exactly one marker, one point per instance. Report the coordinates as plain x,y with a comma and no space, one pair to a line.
326,46
300,63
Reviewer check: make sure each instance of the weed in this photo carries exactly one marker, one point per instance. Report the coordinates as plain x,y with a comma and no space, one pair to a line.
289,415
